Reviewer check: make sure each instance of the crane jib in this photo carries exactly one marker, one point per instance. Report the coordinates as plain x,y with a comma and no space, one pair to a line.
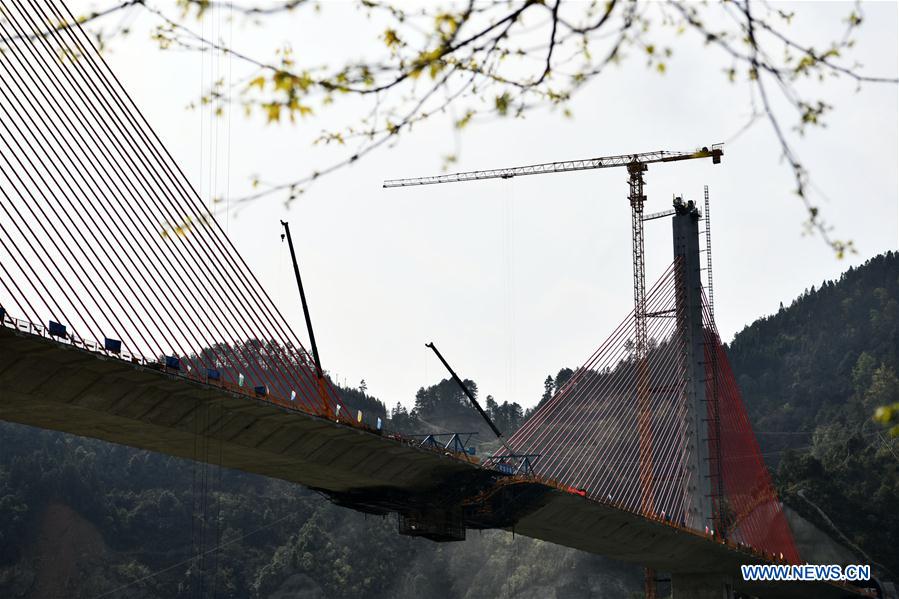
715,152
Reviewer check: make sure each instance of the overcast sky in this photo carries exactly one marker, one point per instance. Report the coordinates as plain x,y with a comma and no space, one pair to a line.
515,279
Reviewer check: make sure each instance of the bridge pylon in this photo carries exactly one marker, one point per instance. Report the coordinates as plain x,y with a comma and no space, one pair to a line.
689,308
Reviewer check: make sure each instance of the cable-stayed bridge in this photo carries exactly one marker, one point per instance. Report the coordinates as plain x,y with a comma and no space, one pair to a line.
129,316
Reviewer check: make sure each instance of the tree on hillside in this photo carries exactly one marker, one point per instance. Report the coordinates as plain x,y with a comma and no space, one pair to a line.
403,420
548,386
482,60
507,417
884,393
562,377
445,400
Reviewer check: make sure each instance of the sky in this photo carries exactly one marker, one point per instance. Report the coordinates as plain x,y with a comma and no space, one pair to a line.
515,279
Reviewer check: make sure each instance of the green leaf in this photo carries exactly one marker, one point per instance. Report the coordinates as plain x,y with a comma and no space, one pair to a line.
272,112
502,103
391,39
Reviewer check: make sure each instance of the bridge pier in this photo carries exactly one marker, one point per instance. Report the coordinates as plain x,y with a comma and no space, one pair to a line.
701,586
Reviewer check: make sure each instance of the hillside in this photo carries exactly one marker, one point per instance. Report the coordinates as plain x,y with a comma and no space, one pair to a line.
798,368
811,376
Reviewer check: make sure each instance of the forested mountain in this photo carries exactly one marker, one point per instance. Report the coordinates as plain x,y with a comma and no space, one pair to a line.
797,368
812,375
82,518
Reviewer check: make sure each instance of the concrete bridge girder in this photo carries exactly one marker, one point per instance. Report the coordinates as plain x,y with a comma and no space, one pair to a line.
52,385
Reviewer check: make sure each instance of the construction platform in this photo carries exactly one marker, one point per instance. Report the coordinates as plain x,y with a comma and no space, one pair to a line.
52,384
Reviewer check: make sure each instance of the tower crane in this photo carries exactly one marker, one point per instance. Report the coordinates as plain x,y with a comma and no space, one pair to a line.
636,165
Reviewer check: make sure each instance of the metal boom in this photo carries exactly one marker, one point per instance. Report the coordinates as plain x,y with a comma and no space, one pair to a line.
715,153
636,165
319,373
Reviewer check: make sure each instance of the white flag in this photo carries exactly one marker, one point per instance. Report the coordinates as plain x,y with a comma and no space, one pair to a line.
293,395
240,380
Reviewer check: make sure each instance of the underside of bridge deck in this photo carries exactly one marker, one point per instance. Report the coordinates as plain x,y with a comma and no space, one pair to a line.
53,385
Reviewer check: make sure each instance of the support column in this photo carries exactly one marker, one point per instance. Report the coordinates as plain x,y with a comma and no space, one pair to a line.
701,586
685,226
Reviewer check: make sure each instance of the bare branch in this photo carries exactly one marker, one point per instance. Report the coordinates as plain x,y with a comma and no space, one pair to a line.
484,56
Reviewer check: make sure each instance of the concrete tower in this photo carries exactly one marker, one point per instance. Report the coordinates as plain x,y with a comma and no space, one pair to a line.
685,225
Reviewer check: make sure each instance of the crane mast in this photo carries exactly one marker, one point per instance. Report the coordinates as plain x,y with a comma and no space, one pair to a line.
636,197
636,165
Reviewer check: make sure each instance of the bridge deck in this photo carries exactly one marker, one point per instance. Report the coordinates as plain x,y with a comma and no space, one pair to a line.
53,385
